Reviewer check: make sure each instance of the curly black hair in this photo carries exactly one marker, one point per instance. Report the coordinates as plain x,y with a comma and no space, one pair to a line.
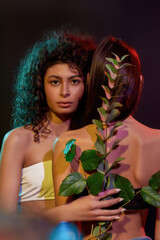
30,108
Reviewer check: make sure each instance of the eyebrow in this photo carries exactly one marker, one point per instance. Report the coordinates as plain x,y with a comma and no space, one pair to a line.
61,78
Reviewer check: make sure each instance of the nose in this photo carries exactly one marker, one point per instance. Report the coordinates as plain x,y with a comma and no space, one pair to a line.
65,91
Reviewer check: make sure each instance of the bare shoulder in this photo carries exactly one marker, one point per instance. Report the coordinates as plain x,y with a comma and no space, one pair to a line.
142,131
18,136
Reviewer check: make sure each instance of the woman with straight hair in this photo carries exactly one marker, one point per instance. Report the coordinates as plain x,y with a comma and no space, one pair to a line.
139,144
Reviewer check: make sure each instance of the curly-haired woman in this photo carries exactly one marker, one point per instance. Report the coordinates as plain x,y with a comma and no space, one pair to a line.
49,99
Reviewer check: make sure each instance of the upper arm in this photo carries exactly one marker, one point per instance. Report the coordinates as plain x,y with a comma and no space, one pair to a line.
12,156
60,169
157,226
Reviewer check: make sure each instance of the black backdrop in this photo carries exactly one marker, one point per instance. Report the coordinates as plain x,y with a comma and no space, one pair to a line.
22,23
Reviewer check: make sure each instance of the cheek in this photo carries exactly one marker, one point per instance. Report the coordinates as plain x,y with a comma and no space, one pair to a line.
79,93
50,96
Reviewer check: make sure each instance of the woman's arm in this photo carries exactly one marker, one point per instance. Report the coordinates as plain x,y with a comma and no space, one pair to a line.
12,156
85,208
157,226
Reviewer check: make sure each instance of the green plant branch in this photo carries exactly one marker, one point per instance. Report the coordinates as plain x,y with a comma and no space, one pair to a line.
101,231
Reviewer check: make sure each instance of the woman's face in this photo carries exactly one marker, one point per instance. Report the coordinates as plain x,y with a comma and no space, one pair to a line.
64,89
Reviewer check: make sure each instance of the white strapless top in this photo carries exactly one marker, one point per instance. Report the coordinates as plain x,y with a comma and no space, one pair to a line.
37,182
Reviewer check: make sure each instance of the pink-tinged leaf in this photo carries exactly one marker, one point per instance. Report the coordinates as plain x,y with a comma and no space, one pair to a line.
107,92
109,76
117,58
104,106
111,85
111,81
102,113
112,70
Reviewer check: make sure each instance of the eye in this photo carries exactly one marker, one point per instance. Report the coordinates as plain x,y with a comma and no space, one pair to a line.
76,81
55,82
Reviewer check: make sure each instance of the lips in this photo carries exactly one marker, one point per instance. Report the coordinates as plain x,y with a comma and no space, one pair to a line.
64,104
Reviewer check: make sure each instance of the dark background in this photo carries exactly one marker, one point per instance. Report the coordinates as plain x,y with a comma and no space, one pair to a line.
23,22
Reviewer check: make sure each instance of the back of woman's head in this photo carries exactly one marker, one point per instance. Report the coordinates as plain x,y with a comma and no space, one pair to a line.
128,90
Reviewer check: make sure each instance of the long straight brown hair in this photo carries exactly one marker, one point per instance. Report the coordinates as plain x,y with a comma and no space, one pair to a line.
129,88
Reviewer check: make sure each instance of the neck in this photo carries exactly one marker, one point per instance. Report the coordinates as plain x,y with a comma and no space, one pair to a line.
59,125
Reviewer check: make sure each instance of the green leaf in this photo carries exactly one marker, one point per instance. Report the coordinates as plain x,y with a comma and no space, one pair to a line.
111,79
98,123
150,196
113,114
126,65
154,181
105,103
114,105
127,190
90,159
105,100
70,150
113,61
118,124
111,68
100,145
123,57
102,111
74,183
101,223
96,231
100,233
95,183
70,155
69,144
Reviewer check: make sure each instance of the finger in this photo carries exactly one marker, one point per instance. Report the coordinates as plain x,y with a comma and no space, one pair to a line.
108,214
107,218
108,192
109,202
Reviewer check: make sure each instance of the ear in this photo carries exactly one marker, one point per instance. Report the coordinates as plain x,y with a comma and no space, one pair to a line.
141,78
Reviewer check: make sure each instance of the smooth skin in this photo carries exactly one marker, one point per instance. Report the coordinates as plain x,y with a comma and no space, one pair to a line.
64,88
140,147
